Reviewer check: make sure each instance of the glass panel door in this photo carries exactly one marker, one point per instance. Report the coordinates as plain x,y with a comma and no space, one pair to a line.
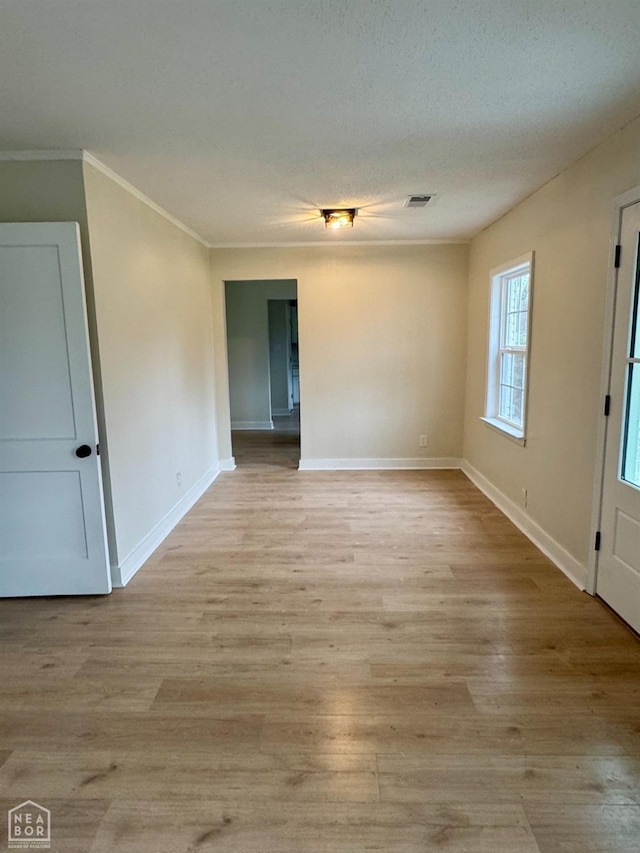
631,430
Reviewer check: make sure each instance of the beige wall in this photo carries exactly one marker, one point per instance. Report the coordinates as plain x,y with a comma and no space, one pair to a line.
567,224
247,309
382,345
153,311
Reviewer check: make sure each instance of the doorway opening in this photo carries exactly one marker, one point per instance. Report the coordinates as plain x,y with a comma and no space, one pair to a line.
264,371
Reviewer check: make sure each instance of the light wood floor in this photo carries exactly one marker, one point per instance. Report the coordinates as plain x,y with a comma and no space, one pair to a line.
327,663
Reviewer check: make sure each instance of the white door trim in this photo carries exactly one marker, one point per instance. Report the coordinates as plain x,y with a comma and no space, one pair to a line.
619,204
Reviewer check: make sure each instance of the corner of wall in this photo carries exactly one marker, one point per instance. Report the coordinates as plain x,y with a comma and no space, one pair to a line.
103,433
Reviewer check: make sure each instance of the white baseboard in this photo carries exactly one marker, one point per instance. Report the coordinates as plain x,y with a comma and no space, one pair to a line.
251,425
228,464
281,413
572,568
400,464
122,573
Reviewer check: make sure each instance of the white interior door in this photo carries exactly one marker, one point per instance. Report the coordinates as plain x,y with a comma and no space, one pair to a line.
52,526
618,578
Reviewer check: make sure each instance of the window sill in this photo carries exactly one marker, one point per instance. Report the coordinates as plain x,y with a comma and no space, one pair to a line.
510,432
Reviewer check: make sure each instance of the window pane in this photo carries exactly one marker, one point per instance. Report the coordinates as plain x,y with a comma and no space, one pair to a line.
517,292
506,373
516,308
505,403
513,295
631,446
516,406
518,370
522,329
512,369
511,404
515,331
524,292
511,332
635,330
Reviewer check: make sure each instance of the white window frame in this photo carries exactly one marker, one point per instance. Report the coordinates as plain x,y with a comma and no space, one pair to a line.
497,316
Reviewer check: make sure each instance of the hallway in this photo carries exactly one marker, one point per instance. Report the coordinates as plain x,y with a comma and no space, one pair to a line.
333,662
279,447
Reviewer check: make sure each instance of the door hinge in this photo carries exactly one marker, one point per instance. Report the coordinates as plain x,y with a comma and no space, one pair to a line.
607,405
616,261
97,449
596,544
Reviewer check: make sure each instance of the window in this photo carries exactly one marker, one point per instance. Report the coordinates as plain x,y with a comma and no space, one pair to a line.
507,371
631,431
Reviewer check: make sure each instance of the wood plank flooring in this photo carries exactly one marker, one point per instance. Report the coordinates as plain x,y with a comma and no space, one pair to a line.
327,663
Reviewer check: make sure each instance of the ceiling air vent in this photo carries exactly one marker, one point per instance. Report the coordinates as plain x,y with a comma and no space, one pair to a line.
418,200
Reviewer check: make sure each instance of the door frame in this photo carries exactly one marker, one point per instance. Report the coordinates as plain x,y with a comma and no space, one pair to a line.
288,355
221,352
620,202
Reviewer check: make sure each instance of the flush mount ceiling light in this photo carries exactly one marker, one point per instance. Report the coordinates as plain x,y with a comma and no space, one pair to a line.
341,217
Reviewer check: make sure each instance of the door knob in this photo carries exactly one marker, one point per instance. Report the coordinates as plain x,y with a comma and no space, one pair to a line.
83,451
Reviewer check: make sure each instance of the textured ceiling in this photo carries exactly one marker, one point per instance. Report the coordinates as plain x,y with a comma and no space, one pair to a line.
243,117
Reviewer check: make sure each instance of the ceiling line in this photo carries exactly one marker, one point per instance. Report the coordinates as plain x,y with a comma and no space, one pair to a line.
92,160
457,241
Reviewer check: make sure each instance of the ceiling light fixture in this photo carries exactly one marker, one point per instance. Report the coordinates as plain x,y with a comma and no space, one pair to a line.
339,217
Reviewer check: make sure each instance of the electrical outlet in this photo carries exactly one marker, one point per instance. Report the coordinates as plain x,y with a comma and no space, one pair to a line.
524,497
179,478
423,441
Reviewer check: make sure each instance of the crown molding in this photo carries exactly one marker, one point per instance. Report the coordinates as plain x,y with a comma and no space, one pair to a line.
92,160
89,158
453,241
